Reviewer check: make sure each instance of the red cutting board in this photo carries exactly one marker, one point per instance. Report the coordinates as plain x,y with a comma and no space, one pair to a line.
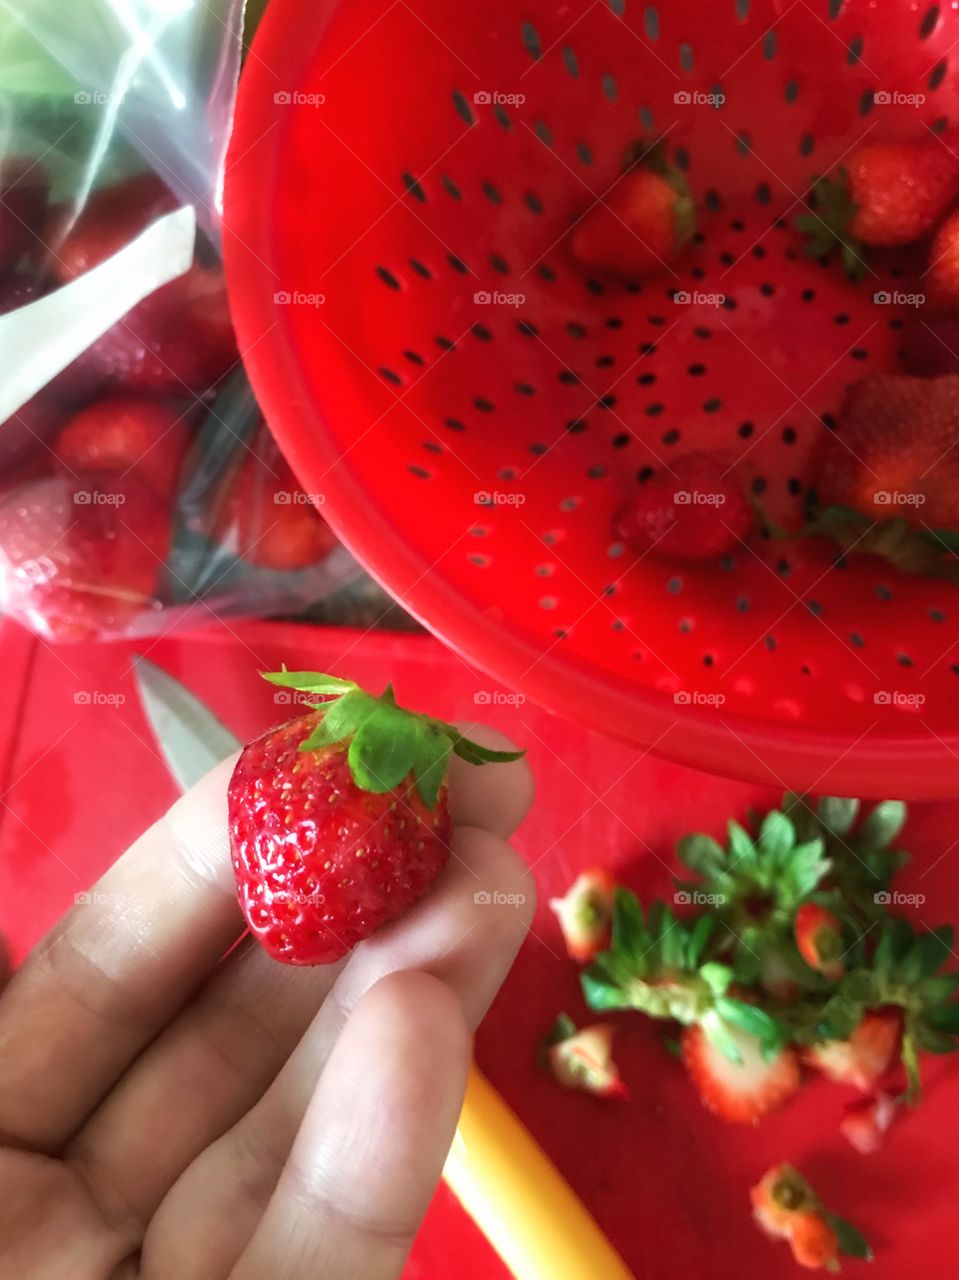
80,777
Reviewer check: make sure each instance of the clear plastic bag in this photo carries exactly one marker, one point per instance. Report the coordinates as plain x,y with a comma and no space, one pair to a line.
139,489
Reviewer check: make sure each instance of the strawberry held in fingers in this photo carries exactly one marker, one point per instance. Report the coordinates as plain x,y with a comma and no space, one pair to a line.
695,510
583,1059
641,224
819,940
585,914
339,819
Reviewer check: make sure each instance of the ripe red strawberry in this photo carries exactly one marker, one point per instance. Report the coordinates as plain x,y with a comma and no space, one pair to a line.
889,194
813,1241
24,185
265,517
640,225
745,1091
819,940
941,281
583,1060
867,1121
863,1059
896,451
178,340
123,433
111,218
339,819
693,511
900,191
585,914
80,558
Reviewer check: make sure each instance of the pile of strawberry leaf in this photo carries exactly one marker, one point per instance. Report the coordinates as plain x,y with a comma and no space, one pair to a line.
733,961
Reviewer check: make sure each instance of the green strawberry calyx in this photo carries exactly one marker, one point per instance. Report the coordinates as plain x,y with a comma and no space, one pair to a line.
386,742
903,971
657,964
731,964
792,1192
826,226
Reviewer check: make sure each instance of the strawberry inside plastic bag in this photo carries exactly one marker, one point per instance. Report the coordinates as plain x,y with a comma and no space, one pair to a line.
139,487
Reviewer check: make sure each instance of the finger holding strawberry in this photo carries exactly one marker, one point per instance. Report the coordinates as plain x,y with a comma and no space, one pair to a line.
340,819
365,1062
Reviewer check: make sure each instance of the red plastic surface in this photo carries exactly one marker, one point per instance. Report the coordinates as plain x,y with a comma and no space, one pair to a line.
398,193
668,1182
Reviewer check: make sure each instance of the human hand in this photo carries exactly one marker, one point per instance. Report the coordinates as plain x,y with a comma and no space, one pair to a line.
168,1113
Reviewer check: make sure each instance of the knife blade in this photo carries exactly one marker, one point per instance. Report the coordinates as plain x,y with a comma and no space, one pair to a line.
190,737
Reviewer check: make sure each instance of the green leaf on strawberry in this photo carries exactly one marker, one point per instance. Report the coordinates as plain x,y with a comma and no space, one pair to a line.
826,226
656,964
858,844
851,1241
386,742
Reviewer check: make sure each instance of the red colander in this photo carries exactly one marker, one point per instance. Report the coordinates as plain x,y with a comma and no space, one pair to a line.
470,405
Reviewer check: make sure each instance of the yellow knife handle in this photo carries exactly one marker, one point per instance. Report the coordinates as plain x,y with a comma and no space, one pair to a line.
519,1200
